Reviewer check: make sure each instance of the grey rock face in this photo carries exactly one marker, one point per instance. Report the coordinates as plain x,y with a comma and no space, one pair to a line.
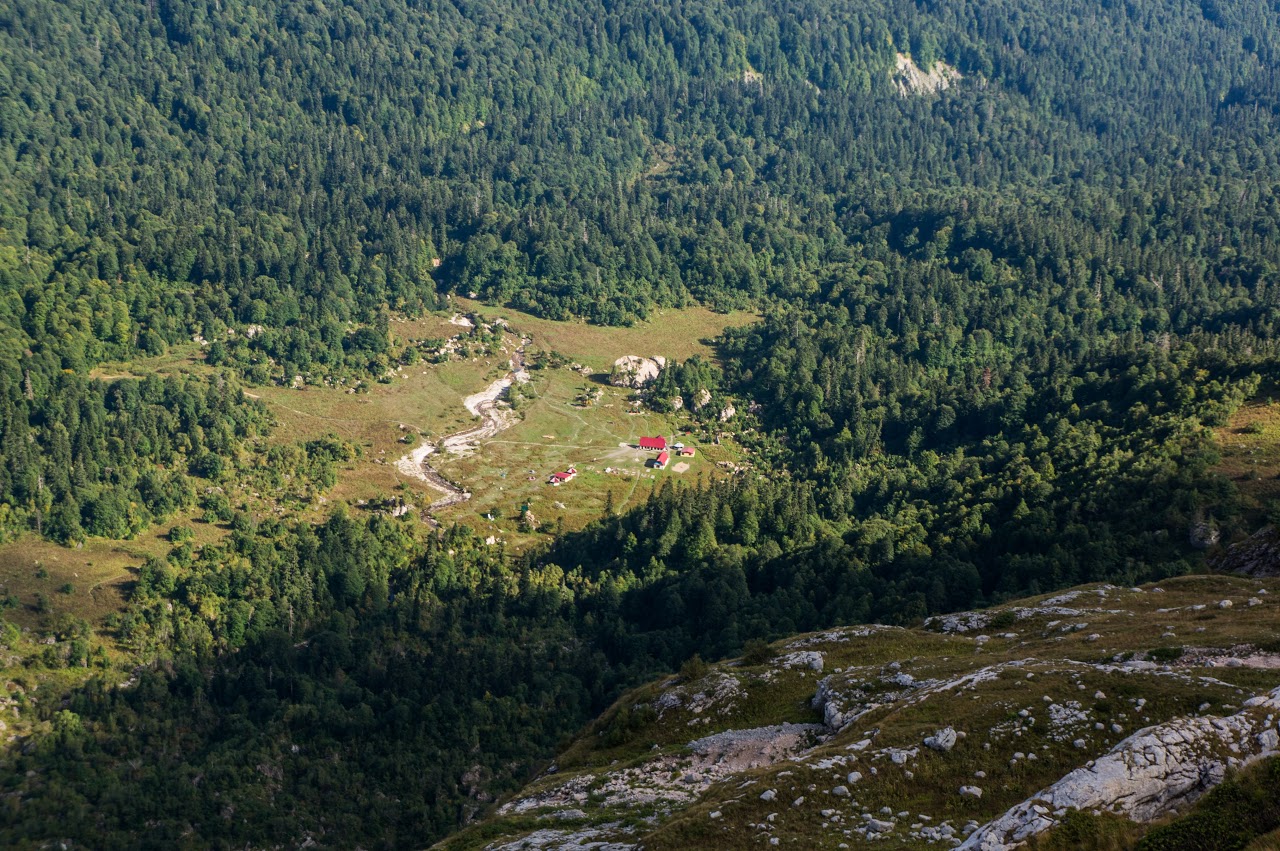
635,372
1146,775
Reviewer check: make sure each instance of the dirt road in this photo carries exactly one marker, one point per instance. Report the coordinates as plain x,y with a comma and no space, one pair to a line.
494,419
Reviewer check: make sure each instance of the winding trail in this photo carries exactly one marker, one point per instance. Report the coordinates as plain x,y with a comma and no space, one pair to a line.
494,419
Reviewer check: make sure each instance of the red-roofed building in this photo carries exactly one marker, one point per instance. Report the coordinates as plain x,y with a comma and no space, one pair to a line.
661,461
686,452
658,443
558,479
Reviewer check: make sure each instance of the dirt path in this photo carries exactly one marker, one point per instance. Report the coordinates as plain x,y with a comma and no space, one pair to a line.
494,419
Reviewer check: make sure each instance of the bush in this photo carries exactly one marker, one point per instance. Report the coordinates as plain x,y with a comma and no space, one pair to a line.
694,669
1165,654
756,652
1003,620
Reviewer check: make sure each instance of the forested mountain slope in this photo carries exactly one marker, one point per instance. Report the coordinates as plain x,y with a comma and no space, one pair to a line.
999,324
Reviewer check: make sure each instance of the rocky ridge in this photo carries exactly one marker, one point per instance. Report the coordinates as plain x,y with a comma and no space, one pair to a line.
975,730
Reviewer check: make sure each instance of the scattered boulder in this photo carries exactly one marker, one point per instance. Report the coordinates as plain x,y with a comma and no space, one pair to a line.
701,399
768,795
942,741
810,659
970,792
829,702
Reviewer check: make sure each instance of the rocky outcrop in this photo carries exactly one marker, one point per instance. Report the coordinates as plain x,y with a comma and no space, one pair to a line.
1145,775
1259,555
1046,693
636,372
910,79
583,839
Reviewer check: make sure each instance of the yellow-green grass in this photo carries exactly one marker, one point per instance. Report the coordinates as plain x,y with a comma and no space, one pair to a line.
424,399
676,334
99,572
187,358
1270,842
428,399
1250,451
554,433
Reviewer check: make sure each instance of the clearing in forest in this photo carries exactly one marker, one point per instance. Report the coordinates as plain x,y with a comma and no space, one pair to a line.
1250,448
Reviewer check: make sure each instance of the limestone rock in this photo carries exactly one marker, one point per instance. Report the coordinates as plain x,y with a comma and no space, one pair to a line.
811,659
910,79
1259,555
1203,534
1144,776
970,792
701,399
635,372
941,741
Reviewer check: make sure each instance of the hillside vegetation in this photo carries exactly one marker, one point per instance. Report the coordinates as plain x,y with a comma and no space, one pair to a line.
920,737
951,346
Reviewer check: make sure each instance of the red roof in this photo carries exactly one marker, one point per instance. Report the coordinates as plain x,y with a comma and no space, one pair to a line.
663,458
653,443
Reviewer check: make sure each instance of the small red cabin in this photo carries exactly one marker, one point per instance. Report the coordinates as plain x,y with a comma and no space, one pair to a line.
560,478
661,461
653,443
686,452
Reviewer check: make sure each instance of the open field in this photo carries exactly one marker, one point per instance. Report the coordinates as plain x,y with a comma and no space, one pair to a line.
99,572
187,358
554,433
674,334
425,399
1250,446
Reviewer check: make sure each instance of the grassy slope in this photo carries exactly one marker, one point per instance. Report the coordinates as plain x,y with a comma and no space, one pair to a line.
1042,661
1250,449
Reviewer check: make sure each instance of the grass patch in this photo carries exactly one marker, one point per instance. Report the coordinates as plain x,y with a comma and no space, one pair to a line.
1250,456
674,334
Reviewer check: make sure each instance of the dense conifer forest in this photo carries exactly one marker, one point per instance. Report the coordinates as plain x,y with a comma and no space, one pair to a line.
997,325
